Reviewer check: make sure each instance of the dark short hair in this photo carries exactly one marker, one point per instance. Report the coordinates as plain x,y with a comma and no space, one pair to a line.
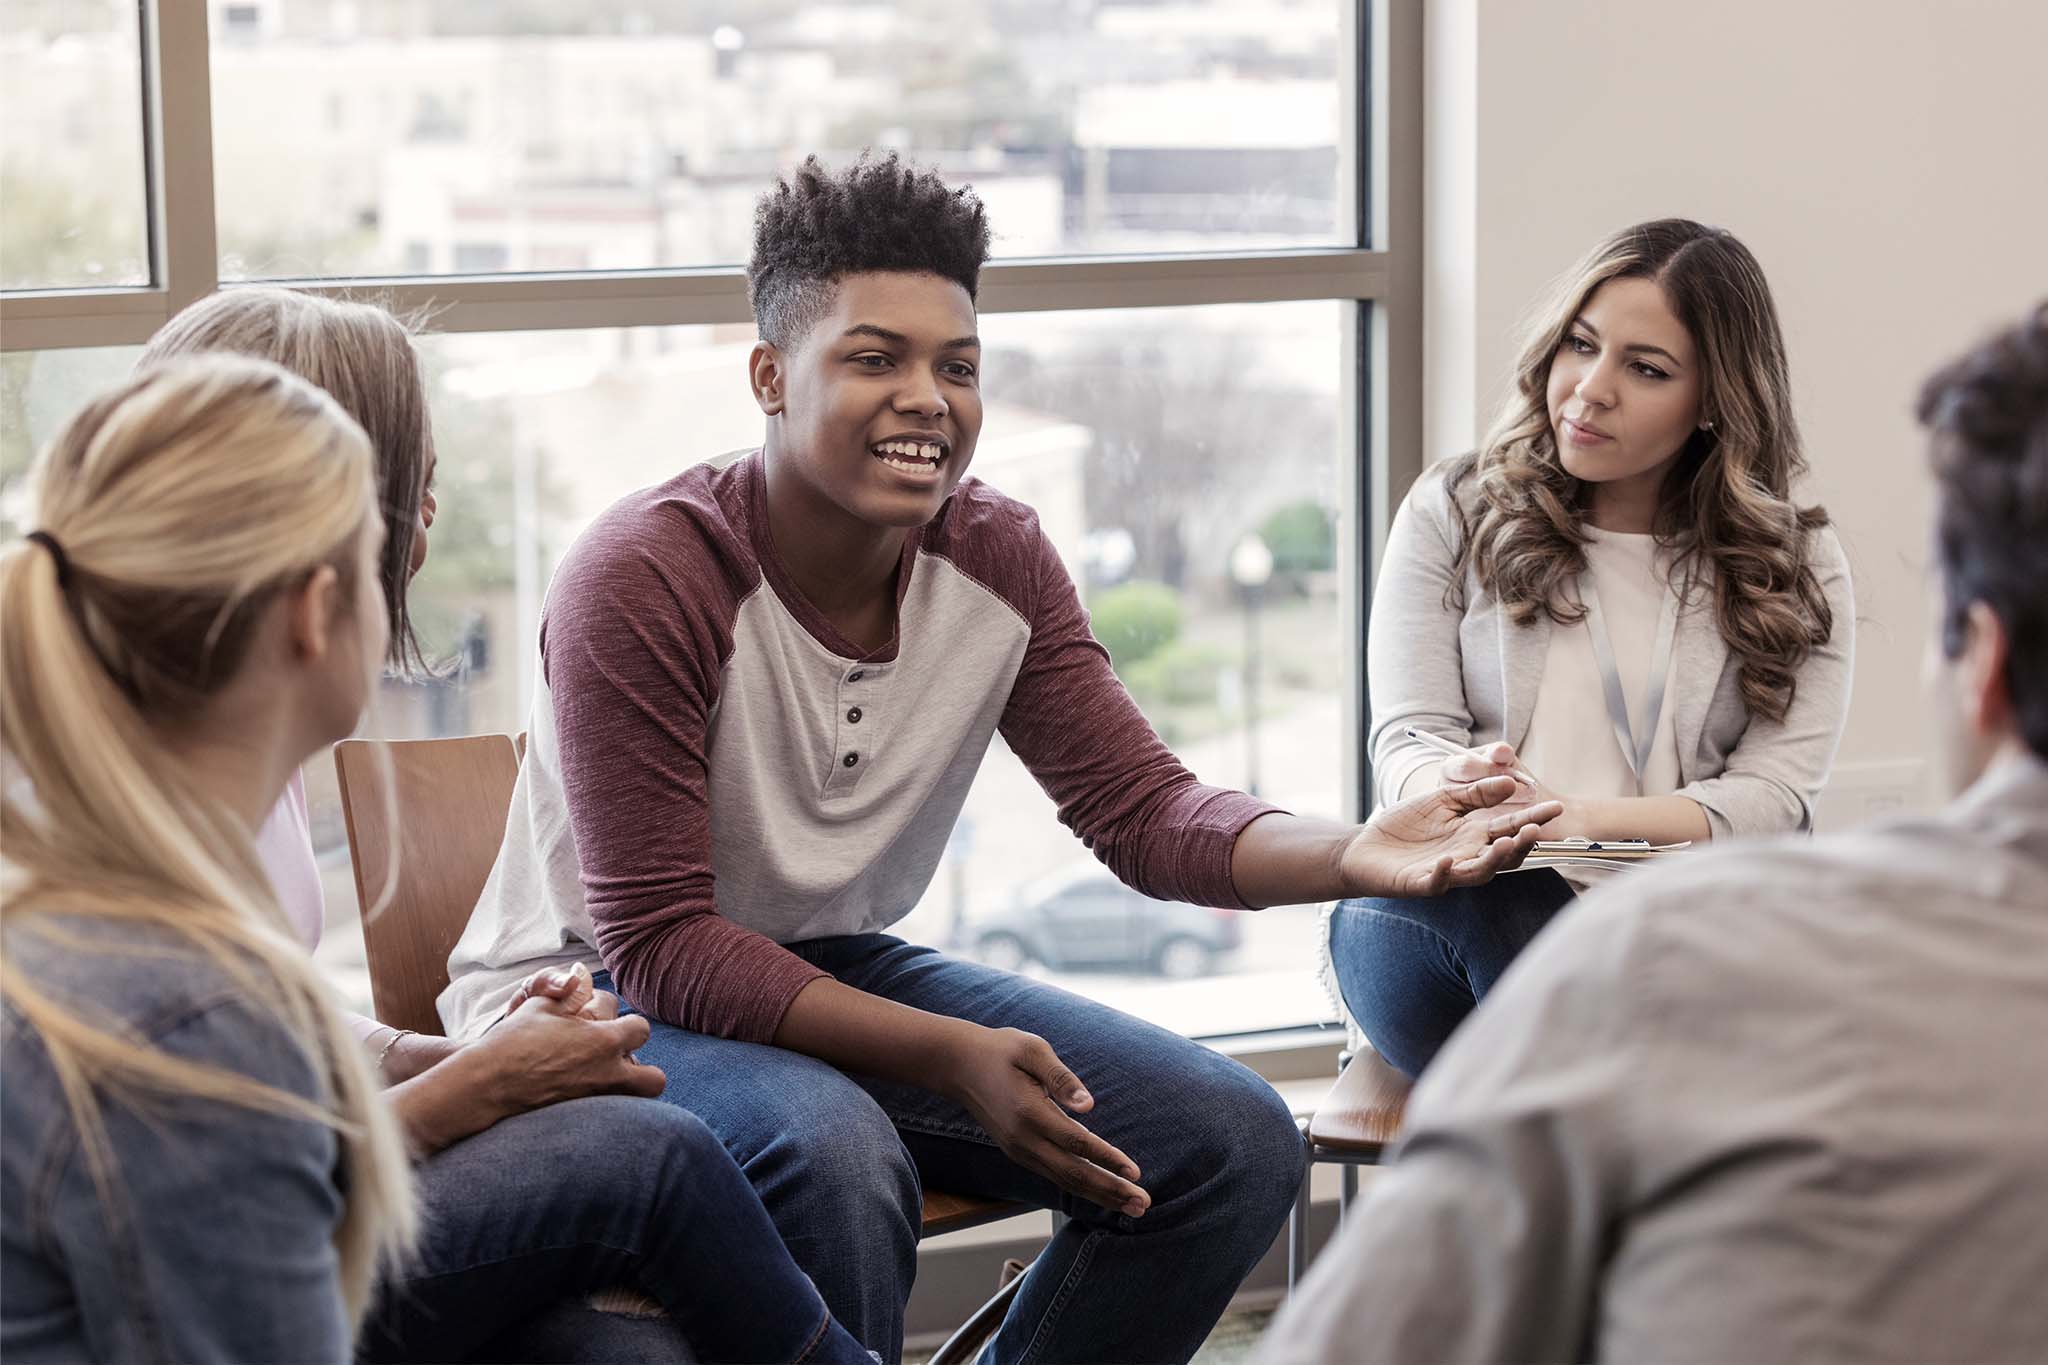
1988,413
816,227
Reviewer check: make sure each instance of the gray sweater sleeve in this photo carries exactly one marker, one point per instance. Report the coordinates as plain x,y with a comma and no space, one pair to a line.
1485,1238
1414,663
1776,773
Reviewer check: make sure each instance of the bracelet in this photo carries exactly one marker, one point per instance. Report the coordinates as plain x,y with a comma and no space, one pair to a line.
396,1034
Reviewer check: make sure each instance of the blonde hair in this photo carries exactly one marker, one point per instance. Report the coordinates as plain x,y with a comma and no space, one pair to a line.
1726,507
364,358
184,502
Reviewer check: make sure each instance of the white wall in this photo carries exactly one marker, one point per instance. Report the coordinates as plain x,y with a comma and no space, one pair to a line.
1883,158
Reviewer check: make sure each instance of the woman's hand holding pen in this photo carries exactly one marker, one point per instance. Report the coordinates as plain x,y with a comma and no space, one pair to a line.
1488,760
1500,760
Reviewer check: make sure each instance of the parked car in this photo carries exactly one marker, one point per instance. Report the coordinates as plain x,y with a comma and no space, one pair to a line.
1093,920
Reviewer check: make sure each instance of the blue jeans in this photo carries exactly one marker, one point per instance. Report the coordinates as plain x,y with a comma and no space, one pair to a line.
1411,969
841,1161
589,1194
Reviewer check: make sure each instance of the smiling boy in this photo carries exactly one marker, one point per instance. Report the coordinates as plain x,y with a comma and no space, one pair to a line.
767,690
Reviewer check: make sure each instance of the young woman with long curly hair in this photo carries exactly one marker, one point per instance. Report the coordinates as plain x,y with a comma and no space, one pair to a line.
1615,598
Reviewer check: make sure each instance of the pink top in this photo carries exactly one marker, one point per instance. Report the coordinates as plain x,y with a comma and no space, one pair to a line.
285,846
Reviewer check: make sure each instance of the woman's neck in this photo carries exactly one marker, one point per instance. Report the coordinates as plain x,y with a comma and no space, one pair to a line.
1627,506
237,754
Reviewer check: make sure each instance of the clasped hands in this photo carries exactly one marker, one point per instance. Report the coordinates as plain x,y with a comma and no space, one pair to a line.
561,1038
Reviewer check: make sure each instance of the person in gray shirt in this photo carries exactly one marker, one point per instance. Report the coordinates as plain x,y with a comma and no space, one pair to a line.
1783,1101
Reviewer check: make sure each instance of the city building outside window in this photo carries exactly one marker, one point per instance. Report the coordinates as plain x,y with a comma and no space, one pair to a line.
1202,331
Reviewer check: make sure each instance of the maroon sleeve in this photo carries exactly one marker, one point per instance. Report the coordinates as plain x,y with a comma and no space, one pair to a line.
1116,784
639,622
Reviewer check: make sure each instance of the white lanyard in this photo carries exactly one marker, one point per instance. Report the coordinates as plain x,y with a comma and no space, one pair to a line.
1635,752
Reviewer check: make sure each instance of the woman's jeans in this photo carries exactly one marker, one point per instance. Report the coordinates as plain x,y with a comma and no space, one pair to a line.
1411,969
591,1194
841,1161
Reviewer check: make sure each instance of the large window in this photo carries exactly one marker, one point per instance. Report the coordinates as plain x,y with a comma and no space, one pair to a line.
71,181
1197,368
472,136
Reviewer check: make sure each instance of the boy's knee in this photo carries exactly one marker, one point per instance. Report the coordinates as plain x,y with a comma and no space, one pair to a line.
1254,1135
855,1162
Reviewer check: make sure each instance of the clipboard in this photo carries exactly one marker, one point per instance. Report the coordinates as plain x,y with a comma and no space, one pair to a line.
1579,852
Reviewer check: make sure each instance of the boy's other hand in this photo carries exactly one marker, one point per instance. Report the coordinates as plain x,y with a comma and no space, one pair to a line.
1019,1092
1450,837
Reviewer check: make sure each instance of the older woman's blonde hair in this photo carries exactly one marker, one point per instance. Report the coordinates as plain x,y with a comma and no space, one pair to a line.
364,358
1726,511
184,502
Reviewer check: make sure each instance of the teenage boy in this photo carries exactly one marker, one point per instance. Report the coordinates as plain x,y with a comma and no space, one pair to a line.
1782,1102
767,689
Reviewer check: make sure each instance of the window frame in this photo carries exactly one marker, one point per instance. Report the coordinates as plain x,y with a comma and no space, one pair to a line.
1381,60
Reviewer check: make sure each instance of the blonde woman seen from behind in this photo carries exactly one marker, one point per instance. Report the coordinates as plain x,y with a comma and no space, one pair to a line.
196,1164
544,1169
1615,595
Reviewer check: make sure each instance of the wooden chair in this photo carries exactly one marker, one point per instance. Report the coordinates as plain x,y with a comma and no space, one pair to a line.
1352,1127
449,798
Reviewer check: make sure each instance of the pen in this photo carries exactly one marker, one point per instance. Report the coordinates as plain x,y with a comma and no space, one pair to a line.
1442,745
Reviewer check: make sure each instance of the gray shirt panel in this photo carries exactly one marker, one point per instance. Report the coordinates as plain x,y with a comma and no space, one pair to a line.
1771,1103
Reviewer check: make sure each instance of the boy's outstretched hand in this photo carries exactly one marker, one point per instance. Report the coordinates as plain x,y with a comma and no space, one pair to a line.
1453,836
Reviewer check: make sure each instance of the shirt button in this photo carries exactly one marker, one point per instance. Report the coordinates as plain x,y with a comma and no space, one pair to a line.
851,759
853,716
855,677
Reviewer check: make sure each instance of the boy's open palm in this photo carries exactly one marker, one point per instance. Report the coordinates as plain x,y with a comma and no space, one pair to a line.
1450,837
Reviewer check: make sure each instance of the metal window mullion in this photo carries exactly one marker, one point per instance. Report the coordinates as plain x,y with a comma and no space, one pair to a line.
177,64
1346,273
512,303
1390,401
680,297
1397,210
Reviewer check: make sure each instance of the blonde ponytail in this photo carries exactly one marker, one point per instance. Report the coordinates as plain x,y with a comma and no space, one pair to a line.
182,501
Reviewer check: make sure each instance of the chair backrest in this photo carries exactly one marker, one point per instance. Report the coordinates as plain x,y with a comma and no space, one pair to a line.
450,798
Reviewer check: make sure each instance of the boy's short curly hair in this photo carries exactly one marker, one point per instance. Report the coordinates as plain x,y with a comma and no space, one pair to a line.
816,227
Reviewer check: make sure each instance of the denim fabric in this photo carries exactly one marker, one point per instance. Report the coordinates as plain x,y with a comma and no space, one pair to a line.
214,1239
1411,969
840,1162
586,1195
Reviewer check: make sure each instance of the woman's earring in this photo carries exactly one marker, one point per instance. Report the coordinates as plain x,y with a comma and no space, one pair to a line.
1707,425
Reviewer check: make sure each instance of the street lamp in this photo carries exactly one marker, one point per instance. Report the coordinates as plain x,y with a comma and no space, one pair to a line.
1251,568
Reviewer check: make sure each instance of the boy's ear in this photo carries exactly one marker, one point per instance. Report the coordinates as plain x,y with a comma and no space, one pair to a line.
311,610
765,372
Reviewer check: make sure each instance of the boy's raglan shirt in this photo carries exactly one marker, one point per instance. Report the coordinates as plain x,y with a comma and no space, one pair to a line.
713,771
